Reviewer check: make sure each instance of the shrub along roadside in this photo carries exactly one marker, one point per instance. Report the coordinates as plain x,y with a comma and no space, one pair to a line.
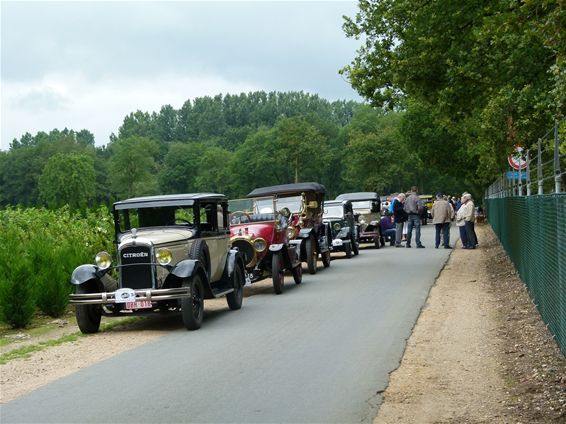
39,249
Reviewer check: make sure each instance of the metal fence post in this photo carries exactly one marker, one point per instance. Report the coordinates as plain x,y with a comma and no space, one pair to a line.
539,168
528,172
557,172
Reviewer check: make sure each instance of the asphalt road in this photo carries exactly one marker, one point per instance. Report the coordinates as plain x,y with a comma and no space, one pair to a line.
320,352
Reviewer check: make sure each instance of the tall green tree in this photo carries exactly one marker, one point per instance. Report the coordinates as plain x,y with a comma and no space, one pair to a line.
68,179
132,167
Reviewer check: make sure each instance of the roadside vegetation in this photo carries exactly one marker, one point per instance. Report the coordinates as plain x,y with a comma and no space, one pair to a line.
39,250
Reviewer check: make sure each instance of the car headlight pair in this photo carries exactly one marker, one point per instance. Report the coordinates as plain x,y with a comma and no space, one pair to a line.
103,259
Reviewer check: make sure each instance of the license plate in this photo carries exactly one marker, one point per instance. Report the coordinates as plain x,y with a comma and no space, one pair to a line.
139,304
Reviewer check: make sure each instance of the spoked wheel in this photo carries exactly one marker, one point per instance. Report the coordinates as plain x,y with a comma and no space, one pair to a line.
326,258
298,274
355,247
348,250
192,307
235,298
312,255
88,316
277,273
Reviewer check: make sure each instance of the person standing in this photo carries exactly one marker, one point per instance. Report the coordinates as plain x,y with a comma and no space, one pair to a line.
442,213
465,222
400,217
470,218
413,207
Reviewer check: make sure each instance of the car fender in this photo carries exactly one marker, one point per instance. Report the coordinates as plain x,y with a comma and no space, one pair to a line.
276,247
344,233
187,268
84,273
234,258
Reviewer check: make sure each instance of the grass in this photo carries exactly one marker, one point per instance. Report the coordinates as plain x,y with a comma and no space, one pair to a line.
26,351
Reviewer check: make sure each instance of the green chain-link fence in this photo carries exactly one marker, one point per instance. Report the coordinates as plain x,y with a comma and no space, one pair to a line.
533,232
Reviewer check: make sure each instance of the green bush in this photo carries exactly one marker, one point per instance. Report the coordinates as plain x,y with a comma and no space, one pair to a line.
57,241
17,294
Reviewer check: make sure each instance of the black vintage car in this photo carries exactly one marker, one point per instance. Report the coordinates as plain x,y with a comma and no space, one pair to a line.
173,252
367,209
340,217
305,202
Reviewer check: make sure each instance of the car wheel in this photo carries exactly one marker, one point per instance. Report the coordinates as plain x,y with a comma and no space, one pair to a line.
312,255
355,247
199,251
235,298
348,250
88,316
277,273
192,307
298,274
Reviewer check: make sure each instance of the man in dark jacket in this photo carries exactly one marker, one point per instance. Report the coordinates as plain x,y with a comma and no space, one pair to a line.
413,207
400,217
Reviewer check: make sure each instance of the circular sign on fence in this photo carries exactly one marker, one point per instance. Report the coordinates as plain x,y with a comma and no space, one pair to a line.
517,159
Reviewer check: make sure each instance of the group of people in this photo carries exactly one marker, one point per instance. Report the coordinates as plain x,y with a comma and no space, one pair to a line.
406,211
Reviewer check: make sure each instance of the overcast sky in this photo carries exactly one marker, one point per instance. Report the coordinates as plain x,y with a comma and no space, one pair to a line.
86,65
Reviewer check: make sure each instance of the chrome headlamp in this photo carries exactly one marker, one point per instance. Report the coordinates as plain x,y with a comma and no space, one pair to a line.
103,260
259,244
163,256
291,233
337,226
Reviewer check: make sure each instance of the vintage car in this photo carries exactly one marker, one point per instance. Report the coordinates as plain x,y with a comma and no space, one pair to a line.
305,229
427,200
173,252
366,207
259,231
340,217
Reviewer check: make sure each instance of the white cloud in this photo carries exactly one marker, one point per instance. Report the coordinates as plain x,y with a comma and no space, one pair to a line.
71,101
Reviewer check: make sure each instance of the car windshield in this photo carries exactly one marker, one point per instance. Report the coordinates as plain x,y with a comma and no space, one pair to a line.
155,217
293,203
364,204
335,211
258,209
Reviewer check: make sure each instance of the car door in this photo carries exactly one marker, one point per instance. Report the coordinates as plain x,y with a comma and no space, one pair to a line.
214,230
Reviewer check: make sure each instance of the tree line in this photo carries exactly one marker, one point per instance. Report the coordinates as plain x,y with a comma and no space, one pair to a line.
229,144
475,78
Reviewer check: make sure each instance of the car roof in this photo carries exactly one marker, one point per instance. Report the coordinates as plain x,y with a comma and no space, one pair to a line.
183,199
336,202
361,195
287,189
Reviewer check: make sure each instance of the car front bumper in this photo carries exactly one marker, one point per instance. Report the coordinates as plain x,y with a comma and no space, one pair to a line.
152,295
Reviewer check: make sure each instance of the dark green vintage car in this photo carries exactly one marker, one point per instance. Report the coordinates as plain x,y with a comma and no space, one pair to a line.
367,210
339,215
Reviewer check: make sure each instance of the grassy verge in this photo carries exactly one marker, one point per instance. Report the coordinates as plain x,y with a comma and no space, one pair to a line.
27,351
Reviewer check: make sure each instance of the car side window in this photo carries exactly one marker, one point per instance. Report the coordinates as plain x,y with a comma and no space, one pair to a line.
209,217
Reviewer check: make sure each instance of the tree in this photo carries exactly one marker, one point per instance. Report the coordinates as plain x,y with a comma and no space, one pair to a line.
181,167
68,179
132,168
466,62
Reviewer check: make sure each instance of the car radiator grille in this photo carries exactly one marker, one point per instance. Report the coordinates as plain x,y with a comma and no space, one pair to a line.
246,249
136,271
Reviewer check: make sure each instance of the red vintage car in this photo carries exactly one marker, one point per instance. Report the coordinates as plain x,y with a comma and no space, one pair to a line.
306,230
259,230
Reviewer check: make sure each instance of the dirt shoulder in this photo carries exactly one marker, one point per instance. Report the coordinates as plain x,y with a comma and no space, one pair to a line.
479,352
